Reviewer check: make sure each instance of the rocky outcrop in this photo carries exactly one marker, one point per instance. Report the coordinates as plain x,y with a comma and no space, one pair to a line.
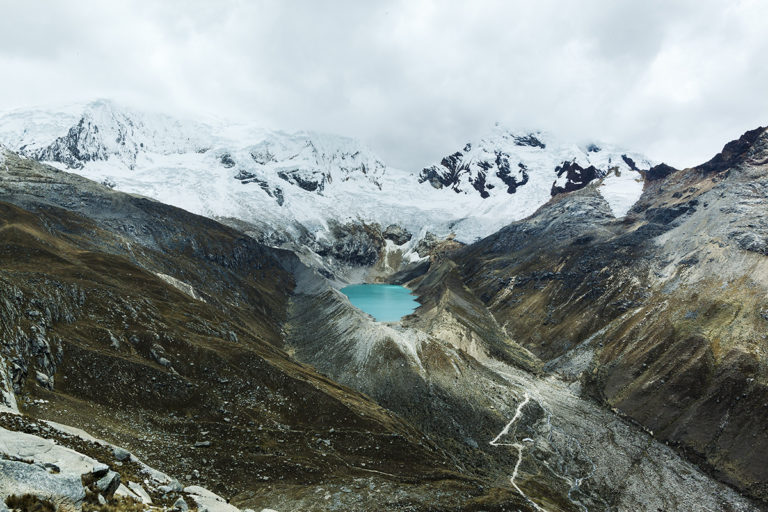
734,153
397,234
571,176
309,180
658,172
19,478
352,244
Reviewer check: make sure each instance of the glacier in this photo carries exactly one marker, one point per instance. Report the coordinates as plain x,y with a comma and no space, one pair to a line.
290,184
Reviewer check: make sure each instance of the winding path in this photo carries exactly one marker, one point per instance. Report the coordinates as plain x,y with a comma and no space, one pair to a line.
519,447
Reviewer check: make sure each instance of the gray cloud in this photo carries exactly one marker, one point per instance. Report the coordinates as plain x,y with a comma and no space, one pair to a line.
413,79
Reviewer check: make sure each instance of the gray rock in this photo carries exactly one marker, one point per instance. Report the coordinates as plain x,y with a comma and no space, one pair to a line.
99,470
180,504
172,486
397,234
426,244
140,492
108,484
113,341
121,453
202,444
22,478
102,500
44,380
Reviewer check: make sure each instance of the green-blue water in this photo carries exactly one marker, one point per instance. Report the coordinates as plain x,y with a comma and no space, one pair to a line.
385,302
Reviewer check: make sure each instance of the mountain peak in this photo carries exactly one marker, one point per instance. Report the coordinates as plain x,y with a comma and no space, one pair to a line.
738,151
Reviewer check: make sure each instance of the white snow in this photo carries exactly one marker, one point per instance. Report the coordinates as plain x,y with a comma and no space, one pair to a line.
622,190
180,162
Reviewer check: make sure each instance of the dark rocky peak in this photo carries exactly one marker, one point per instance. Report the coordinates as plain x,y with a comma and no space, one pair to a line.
446,174
562,220
736,152
82,143
658,172
571,176
630,162
529,140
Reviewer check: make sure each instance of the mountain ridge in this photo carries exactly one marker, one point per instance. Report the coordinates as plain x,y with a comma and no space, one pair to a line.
243,172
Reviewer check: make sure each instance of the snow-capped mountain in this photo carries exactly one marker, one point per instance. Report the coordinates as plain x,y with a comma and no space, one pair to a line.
295,184
506,162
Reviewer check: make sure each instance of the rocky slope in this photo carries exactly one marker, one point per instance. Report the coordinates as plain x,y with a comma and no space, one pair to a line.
161,331
660,315
452,370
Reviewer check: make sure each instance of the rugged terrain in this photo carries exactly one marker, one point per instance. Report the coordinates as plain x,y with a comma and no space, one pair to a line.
311,192
160,331
660,315
606,352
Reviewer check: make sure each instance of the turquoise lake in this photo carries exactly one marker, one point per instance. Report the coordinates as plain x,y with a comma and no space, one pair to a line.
384,302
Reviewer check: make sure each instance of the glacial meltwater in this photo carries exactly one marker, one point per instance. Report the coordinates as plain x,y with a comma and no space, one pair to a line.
384,302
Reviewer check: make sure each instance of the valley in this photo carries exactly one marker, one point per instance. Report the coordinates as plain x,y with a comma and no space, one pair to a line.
589,334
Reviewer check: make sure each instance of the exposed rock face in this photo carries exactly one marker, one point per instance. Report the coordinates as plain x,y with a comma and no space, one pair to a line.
505,161
246,177
311,180
354,244
735,153
397,234
658,172
227,161
453,169
23,478
571,176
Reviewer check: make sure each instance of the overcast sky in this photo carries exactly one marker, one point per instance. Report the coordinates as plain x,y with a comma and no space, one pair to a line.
412,79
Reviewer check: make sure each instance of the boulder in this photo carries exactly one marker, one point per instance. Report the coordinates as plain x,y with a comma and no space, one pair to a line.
22,478
139,491
121,454
108,484
180,504
205,499
22,446
44,380
125,492
172,486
